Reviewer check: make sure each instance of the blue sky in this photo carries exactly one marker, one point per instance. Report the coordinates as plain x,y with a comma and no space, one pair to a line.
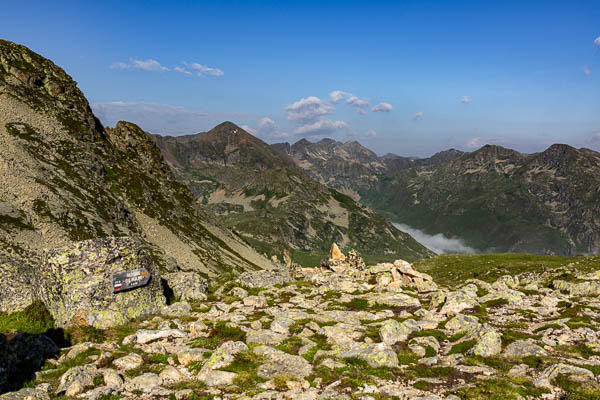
440,74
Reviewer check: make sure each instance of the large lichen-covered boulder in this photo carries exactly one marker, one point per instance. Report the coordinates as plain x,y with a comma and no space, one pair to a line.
16,288
187,285
75,283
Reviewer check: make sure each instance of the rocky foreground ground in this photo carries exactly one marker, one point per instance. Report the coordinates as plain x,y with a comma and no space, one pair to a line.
346,331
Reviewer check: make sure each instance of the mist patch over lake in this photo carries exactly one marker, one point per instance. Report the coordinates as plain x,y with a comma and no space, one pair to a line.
439,242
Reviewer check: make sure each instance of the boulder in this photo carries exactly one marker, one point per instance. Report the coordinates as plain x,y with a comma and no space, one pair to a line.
16,286
75,283
281,364
264,278
75,379
335,254
265,336
145,382
523,348
187,285
377,355
223,356
128,362
489,343
392,331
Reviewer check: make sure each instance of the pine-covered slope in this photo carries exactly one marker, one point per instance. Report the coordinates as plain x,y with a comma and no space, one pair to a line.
66,178
261,194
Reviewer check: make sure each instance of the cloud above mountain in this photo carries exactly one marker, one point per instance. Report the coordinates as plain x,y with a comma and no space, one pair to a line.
438,243
155,66
146,65
382,107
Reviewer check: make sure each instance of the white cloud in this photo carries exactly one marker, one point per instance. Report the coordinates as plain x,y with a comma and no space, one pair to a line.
308,109
595,138
475,143
267,129
438,243
418,115
182,70
466,100
597,41
370,133
357,103
586,70
203,70
119,65
248,129
338,95
321,126
154,66
382,107
146,65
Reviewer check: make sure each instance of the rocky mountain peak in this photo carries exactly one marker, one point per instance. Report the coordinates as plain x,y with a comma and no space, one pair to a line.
44,86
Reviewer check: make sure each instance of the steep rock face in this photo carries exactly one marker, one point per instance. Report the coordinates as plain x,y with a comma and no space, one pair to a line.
66,178
348,167
15,285
75,283
273,204
500,200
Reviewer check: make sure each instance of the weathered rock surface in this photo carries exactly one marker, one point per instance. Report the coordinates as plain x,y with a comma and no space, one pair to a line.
15,285
75,283
187,285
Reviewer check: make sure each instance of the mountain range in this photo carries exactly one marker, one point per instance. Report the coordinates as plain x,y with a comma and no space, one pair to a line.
495,199
273,204
66,178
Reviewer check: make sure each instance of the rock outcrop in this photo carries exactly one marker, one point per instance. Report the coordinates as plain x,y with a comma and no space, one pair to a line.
75,283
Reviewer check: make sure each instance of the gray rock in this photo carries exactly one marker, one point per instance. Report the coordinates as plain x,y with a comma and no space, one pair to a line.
187,285
218,378
80,376
144,336
128,362
112,378
523,348
171,374
265,336
261,279
392,331
223,355
145,382
75,283
375,354
489,343
462,322
27,394
576,374
179,309
16,286
188,356
255,301
280,363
